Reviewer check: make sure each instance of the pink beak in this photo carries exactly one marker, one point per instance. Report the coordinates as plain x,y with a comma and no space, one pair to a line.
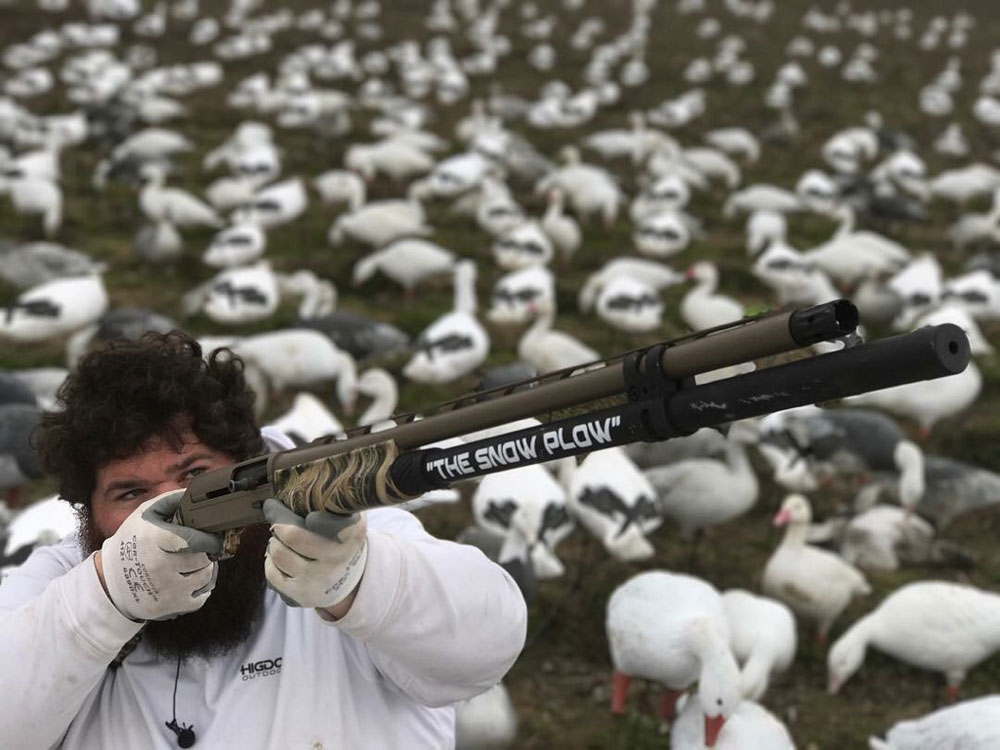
689,274
782,517
713,725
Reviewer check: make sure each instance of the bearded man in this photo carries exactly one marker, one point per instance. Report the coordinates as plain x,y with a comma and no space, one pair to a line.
325,631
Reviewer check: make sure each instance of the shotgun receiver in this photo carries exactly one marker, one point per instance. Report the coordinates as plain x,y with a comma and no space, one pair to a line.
658,400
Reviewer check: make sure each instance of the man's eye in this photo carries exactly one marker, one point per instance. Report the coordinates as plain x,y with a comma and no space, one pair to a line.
131,494
192,473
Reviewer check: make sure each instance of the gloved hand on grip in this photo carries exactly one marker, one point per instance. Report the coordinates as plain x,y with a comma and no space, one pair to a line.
316,561
154,569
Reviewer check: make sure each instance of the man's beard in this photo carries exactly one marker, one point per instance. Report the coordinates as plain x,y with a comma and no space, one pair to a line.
228,616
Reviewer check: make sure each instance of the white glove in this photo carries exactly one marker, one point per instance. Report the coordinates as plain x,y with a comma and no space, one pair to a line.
316,561
155,569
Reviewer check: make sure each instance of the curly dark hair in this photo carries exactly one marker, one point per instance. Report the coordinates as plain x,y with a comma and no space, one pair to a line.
129,392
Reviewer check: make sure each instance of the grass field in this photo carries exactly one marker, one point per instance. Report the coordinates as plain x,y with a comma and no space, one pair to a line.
561,682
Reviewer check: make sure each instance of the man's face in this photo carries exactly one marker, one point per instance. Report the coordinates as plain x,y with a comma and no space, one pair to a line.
228,617
123,485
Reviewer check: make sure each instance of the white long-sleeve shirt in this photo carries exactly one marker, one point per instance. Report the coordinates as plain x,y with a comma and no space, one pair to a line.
433,623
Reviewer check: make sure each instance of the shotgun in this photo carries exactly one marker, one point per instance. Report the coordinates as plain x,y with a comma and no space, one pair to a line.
657,399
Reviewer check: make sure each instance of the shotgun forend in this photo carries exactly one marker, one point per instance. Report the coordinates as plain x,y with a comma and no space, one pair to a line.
661,401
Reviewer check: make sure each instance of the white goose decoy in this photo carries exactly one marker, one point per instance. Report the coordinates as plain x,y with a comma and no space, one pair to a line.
928,402
456,343
237,245
55,308
407,261
656,275
307,419
816,584
298,358
749,726
487,721
34,195
395,157
43,522
761,197
737,141
614,501
381,388
762,636
671,628
274,205
702,308
964,184
497,212
340,186
701,492
525,245
560,228
935,625
850,255
661,234
518,293
235,296
590,190
629,305
379,223
977,292
550,350
180,208
971,725
526,508
918,286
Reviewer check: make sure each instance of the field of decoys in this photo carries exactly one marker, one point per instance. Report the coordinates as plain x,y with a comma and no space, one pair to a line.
382,205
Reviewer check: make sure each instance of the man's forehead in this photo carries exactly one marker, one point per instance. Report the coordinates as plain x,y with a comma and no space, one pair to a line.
157,453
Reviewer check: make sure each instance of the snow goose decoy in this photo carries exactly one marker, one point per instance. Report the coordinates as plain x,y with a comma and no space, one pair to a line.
407,261
456,343
526,508
614,501
935,625
701,492
517,294
176,206
379,223
238,245
971,725
661,234
656,275
671,629
235,296
489,720
381,388
816,584
274,205
525,245
560,228
702,308
44,522
307,419
589,189
54,308
762,637
497,212
750,725
300,358
630,305
550,350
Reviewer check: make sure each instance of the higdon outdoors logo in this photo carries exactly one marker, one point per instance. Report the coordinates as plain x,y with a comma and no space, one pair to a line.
262,668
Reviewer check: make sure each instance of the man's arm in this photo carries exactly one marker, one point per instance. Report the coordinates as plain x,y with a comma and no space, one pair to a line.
58,633
440,620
